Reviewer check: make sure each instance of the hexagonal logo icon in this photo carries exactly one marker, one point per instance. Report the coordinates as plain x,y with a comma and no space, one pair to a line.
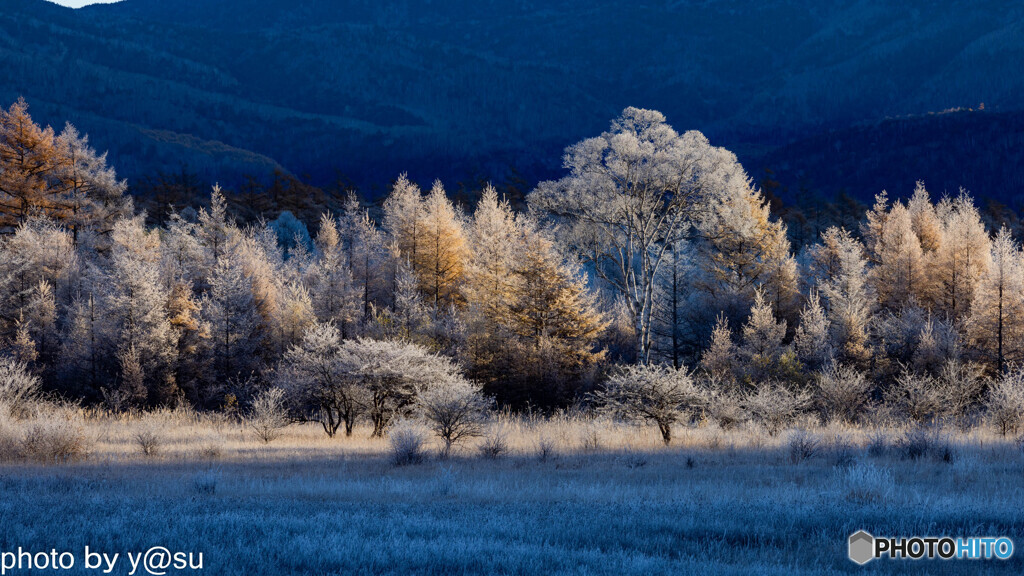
862,547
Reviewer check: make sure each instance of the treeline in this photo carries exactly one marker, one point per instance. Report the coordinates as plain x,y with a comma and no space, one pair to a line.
655,248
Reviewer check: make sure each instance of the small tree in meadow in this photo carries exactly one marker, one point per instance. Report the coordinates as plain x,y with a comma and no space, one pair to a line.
659,394
455,410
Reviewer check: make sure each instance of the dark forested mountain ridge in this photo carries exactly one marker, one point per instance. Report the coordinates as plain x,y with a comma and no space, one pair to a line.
464,91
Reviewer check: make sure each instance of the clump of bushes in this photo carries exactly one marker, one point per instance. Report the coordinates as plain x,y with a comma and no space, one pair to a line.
776,406
546,449
54,438
922,442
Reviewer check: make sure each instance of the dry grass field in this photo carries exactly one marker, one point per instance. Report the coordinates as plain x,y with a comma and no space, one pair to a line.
567,495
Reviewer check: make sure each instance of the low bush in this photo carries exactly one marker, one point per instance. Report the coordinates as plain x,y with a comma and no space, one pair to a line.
802,446
268,418
495,444
842,393
546,449
923,442
19,388
776,407
1006,401
148,441
406,440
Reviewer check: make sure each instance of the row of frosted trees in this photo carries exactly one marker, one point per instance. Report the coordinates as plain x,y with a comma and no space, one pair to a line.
654,248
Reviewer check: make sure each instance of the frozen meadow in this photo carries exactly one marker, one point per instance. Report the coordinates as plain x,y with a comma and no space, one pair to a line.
561,495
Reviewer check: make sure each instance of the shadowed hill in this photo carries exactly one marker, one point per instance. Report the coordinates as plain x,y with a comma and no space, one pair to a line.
469,90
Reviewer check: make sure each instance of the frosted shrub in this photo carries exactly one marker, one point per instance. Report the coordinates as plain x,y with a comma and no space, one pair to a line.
268,417
878,444
843,453
406,440
18,387
1006,401
148,441
842,393
802,445
961,386
726,410
546,449
916,395
922,442
495,444
54,438
951,394
775,406
10,441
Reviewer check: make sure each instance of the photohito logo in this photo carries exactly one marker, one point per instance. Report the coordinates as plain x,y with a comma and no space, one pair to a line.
863,547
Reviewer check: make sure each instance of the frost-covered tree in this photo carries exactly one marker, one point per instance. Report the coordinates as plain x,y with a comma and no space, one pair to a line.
135,305
812,341
996,325
214,227
455,409
367,257
494,238
410,318
332,290
630,194
185,259
393,374
899,272
230,311
553,315
849,298
961,259
663,395
739,251
721,359
924,220
95,197
403,214
442,256
762,333
39,251
319,383
671,330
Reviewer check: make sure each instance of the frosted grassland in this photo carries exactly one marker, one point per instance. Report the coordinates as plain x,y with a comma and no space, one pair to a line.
569,495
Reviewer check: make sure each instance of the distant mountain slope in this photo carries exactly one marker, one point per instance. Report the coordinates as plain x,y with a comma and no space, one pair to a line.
465,89
979,151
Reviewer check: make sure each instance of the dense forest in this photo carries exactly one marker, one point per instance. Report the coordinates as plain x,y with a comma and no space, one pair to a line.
655,249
